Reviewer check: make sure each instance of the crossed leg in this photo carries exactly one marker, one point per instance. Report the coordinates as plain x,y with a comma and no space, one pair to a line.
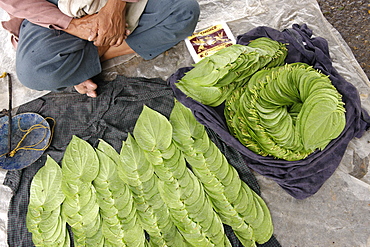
49,59
157,33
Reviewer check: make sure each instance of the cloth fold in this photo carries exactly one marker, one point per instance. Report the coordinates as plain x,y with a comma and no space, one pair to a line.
303,178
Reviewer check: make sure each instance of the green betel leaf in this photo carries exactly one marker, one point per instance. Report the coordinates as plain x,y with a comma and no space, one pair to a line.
205,95
43,218
97,240
115,201
152,130
318,127
45,188
287,112
107,172
185,126
135,168
221,182
80,161
215,77
152,212
80,166
109,151
49,221
58,227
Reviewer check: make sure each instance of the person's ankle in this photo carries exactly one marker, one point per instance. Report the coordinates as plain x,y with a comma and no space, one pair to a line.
114,51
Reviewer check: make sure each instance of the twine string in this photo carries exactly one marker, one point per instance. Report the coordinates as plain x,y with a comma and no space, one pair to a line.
27,132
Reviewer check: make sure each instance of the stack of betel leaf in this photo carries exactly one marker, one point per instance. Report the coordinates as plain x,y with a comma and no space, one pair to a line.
213,78
237,205
80,208
147,189
284,111
287,112
44,218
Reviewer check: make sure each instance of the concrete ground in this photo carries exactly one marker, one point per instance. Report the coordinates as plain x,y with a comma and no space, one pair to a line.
352,20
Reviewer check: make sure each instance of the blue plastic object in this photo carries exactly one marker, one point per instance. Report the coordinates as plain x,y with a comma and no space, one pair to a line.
35,141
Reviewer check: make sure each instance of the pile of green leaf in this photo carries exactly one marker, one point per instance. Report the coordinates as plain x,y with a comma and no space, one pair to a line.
287,112
213,78
44,218
115,199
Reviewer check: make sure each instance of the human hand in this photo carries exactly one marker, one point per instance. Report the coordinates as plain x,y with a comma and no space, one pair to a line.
108,26
81,27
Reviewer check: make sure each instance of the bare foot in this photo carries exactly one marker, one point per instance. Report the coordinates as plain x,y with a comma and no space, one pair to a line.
87,87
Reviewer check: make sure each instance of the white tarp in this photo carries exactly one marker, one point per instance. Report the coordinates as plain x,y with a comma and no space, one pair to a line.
339,213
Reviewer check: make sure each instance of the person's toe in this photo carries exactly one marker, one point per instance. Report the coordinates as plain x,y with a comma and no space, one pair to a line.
90,85
91,94
87,87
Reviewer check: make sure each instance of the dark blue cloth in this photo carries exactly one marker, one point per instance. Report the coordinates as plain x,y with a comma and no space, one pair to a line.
303,178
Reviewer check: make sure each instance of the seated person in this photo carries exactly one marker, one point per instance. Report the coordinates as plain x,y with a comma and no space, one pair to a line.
55,50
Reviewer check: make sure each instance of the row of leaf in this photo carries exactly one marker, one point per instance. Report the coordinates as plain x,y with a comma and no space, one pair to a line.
287,111
169,182
213,78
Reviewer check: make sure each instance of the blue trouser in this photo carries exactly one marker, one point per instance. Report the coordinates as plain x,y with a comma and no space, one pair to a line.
49,59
